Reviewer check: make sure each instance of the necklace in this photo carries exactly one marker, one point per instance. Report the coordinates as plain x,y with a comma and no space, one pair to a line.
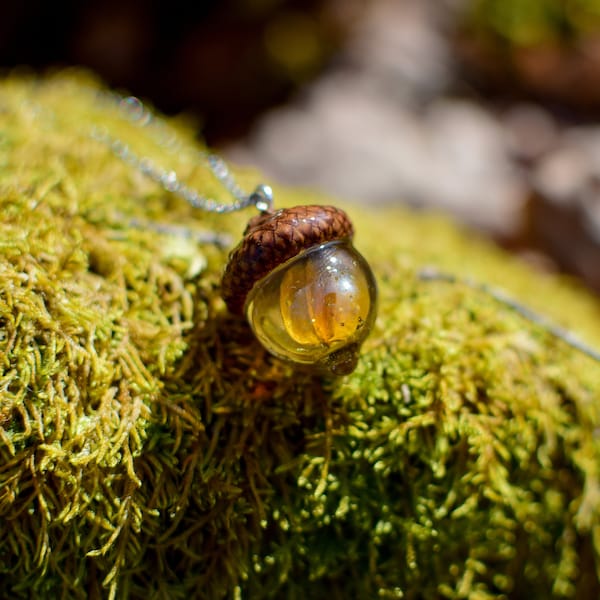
307,293
135,112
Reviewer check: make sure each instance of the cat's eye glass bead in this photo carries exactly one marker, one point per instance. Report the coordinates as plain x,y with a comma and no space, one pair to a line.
317,308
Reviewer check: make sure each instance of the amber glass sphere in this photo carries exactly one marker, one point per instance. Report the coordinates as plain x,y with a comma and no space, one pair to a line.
317,308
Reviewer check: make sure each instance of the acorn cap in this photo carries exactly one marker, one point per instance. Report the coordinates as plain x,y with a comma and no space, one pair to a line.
270,239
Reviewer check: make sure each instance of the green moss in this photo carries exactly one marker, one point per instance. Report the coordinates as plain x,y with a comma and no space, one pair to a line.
523,23
150,448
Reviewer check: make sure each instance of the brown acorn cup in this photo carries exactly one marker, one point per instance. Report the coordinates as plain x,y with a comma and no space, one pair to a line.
272,238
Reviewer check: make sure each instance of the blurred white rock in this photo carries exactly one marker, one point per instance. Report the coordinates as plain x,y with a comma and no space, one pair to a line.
375,128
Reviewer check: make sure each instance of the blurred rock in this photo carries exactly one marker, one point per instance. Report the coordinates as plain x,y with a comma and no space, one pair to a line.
400,48
371,130
565,206
531,130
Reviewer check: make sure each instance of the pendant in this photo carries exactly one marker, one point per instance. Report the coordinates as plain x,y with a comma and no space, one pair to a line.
308,295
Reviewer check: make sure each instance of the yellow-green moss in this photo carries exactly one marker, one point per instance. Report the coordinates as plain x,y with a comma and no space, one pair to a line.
150,448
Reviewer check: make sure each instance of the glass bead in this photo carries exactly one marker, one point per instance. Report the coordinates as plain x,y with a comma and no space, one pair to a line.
317,308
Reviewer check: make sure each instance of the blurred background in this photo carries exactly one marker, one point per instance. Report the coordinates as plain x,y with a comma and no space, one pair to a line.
485,109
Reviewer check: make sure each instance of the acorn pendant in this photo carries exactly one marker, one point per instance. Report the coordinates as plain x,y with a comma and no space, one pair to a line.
308,295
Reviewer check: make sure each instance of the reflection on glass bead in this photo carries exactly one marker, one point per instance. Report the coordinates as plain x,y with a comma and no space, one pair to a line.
317,308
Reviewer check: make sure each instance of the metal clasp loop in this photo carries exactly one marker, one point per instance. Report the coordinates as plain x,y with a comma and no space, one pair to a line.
262,198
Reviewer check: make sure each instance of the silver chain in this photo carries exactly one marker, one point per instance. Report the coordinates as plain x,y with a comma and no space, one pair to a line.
432,274
134,111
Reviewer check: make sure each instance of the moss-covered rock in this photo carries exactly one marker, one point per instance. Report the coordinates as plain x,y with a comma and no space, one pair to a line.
150,448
